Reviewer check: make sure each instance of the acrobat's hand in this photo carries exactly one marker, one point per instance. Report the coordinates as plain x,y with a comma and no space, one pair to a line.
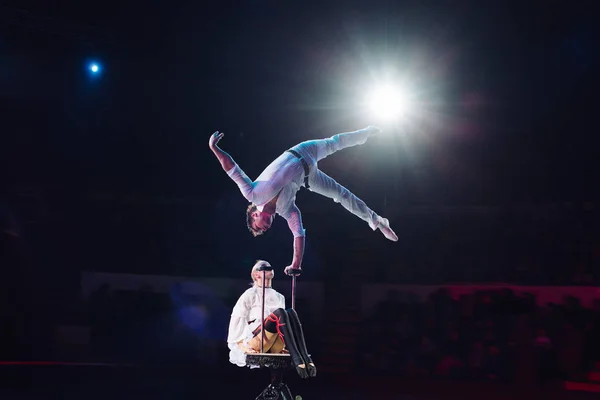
291,271
214,139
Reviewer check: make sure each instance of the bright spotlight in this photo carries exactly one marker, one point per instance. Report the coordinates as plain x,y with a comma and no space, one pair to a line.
94,68
388,102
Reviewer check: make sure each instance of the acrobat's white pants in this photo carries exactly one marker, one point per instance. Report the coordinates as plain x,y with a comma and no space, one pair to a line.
315,150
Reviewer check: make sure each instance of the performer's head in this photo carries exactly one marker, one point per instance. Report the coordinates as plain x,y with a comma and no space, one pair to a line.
257,275
258,222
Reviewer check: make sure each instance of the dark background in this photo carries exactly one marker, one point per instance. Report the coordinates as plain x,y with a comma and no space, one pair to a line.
492,180
116,173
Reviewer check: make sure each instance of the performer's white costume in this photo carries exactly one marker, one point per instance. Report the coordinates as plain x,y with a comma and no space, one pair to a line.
286,174
245,318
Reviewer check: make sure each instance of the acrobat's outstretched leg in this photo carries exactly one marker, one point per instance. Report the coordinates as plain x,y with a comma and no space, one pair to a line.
316,150
323,184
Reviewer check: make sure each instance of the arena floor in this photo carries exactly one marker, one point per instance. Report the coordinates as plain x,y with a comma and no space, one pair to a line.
78,381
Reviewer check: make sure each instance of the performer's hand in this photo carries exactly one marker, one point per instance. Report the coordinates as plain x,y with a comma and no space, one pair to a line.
214,139
290,269
246,349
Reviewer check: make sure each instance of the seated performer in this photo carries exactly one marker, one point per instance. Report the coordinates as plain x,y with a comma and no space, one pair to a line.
274,191
283,331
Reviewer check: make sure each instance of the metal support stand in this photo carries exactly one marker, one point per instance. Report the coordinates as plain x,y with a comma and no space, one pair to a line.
294,291
264,270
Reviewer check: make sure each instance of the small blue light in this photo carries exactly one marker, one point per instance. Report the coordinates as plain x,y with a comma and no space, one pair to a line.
94,68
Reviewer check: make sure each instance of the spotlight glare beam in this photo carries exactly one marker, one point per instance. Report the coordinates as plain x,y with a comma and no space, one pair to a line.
388,102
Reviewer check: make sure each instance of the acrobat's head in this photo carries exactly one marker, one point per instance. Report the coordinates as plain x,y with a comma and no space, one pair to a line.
257,275
258,222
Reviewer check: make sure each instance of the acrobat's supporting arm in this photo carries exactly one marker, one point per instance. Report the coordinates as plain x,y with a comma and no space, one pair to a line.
298,252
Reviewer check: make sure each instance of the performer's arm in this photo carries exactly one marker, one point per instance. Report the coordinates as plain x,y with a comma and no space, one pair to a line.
294,219
230,167
298,252
225,159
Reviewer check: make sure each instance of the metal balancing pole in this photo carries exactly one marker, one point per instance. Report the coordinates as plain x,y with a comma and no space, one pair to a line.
294,292
262,314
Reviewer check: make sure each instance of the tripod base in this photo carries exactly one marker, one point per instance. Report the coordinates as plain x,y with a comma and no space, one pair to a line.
278,391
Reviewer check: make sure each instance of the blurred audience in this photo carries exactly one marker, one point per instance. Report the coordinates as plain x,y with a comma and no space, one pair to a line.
145,326
492,335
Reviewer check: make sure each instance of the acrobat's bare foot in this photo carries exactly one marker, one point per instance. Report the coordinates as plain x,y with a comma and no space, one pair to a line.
384,227
374,130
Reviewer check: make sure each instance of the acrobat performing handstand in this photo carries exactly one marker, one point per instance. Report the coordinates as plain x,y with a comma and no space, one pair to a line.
274,191
282,328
